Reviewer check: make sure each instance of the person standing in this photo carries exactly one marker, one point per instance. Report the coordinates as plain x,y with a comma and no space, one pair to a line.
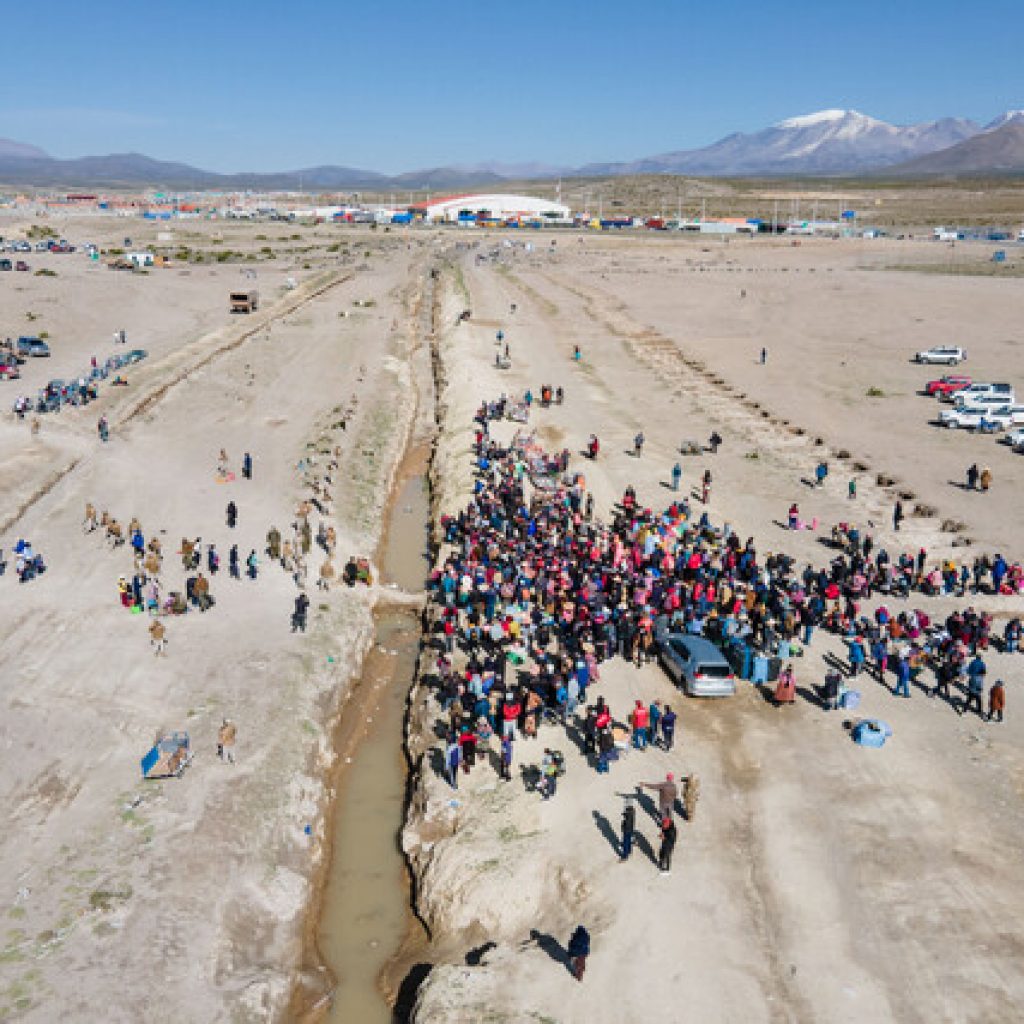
638,444
452,759
158,638
677,475
667,792
764,356
668,727
578,950
506,758
299,613
226,741
233,563
975,685
996,701
972,477
247,466
902,688
251,564
897,516
714,441
231,514
668,844
212,560
653,720
640,720
851,489
628,828
985,479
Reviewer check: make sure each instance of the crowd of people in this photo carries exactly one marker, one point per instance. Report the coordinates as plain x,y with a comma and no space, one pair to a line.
532,594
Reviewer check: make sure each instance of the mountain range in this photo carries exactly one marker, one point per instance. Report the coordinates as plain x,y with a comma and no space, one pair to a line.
826,143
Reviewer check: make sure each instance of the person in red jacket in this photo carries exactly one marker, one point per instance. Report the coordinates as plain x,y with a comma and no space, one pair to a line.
640,718
509,715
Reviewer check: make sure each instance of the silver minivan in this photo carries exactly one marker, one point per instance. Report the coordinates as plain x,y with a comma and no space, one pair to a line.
697,665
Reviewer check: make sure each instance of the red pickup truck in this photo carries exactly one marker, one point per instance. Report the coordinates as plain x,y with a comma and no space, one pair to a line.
948,385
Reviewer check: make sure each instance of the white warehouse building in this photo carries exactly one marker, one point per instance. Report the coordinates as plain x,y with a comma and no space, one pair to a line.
468,209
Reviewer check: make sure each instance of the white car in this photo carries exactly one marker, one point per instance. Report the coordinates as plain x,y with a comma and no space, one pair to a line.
1015,438
947,355
967,395
982,402
998,418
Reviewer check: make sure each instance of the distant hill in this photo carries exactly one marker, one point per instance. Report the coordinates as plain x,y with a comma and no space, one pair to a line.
10,148
995,152
828,142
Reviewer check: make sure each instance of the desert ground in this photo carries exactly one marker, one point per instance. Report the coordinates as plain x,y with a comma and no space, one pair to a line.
185,898
819,881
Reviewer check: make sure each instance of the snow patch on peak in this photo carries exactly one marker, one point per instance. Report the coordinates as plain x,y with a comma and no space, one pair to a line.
820,117
1010,115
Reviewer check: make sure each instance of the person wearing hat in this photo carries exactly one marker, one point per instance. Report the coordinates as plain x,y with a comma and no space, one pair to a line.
667,792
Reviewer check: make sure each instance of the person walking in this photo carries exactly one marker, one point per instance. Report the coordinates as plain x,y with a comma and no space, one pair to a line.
851,489
985,479
578,950
764,356
714,441
668,844
996,701
897,516
972,477
212,560
231,514
103,428
251,565
628,828
247,466
677,475
233,571
820,472
638,444
705,493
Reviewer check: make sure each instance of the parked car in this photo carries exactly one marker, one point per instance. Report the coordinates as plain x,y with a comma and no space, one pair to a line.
944,354
978,388
135,356
1015,439
985,418
42,246
983,399
697,665
6,265
21,265
8,369
33,347
948,385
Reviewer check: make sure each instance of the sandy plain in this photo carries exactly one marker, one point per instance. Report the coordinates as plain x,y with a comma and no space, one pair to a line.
819,881
185,899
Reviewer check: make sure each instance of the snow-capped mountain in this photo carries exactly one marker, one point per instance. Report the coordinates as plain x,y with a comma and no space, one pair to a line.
826,142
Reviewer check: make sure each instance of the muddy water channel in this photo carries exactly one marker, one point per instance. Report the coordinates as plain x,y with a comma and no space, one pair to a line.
365,914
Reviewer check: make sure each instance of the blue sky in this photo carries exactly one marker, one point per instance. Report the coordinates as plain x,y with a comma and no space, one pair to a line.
398,86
